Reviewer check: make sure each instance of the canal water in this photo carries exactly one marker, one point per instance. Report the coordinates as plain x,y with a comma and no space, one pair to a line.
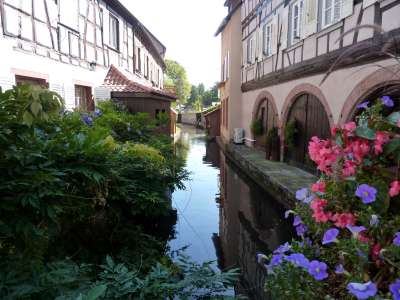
223,216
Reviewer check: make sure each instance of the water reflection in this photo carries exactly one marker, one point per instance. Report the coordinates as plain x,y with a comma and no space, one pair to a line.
225,216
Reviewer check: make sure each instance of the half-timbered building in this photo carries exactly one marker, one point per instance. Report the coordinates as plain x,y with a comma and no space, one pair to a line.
288,47
74,47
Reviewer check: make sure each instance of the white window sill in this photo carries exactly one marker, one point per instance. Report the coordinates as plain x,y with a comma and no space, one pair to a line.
330,27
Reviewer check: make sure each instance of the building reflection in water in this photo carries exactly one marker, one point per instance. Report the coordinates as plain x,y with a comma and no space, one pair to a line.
250,222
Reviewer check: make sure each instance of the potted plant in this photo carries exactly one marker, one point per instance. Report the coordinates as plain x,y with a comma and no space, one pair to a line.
273,144
257,127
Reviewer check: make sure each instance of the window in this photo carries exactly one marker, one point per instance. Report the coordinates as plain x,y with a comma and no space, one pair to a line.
250,50
83,98
139,65
297,13
267,41
331,12
147,68
114,32
20,80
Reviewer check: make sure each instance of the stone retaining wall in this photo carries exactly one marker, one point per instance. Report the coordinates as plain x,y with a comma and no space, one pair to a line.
279,179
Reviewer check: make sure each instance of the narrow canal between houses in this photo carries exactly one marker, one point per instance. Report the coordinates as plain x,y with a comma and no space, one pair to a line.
224,216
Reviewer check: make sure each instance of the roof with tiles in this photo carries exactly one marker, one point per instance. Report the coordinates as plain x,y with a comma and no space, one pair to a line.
117,81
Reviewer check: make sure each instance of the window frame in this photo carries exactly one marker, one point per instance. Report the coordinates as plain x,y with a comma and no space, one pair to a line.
267,41
250,49
332,7
299,4
111,35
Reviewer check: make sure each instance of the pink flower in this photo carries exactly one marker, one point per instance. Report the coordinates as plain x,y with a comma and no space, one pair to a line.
398,123
334,131
349,128
321,217
394,188
362,238
318,204
319,186
358,149
349,168
375,251
381,139
343,219
324,153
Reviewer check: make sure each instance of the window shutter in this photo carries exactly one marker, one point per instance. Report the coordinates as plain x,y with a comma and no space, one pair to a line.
347,8
310,17
274,34
264,39
259,44
284,23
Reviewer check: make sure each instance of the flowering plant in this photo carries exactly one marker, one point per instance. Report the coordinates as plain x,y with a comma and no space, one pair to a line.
348,222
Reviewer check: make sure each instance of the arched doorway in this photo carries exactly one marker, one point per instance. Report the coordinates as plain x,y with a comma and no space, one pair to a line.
392,90
264,120
306,118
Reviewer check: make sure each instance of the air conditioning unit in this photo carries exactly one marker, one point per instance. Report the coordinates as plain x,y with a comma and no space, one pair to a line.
238,135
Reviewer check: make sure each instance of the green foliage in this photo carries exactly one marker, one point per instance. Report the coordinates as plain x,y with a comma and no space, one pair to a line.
75,187
291,132
257,127
176,74
273,136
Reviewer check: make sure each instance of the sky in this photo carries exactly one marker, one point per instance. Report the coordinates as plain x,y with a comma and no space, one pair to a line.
186,28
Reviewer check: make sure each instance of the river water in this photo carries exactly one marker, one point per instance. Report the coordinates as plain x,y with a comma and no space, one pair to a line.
223,216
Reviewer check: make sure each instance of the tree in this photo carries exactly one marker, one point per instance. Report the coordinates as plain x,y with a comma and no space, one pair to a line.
210,96
194,94
176,75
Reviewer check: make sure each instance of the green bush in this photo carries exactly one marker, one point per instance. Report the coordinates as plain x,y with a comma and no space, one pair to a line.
75,187
257,127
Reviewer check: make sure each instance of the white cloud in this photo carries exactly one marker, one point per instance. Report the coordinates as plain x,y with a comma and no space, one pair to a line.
186,28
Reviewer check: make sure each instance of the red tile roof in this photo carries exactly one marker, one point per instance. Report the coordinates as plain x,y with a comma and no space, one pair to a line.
116,81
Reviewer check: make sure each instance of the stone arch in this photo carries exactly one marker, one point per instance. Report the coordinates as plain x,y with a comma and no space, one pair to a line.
306,108
377,80
264,106
305,88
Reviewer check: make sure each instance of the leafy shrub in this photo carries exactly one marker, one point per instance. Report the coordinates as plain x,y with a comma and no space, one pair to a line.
257,127
349,222
75,187
291,132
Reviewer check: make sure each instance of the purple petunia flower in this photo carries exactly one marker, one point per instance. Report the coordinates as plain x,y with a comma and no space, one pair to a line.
301,229
318,270
362,290
355,230
302,194
374,221
282,248
297,221
288,213
396,240
309,199
276,259
298,259
330,236
339,269
387,101
363,105
366,193
395,289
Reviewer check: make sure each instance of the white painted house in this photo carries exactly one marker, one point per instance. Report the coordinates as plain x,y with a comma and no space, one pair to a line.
70,45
